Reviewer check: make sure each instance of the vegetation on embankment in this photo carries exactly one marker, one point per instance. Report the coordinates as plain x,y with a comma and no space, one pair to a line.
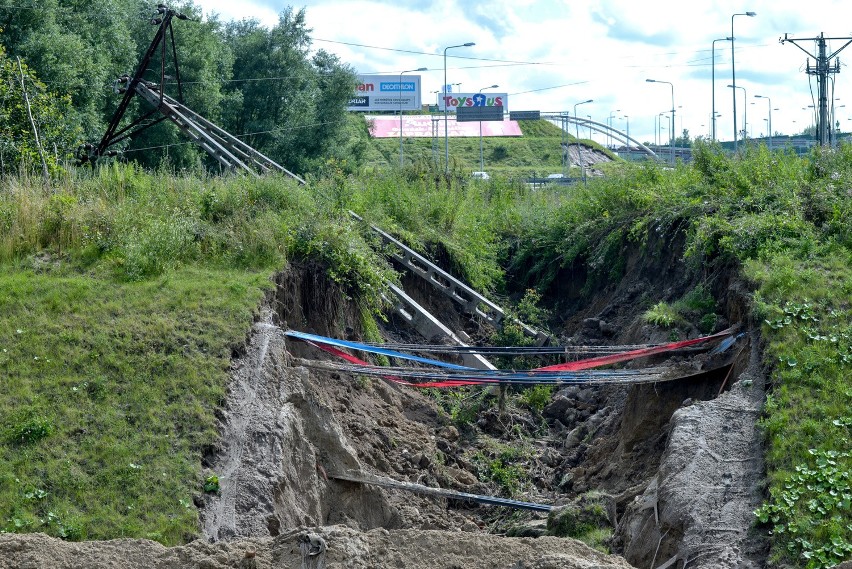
122,299
535,154
121,281
784,221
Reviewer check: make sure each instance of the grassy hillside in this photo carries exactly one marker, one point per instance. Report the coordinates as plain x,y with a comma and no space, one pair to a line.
122,298
124,292
538,152
108,395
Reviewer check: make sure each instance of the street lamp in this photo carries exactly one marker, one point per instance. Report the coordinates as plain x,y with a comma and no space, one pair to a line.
768,100
446,130
609,123
657,131
577,131
660,129
590,126
673,113
745,109
734,70
481,159
713,82
399,94
627,120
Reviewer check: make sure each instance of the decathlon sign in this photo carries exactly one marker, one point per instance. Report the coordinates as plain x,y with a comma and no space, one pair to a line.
452,101
386,93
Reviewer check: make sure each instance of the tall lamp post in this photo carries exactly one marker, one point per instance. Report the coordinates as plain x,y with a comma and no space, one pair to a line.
768,100
399,93
609,123
713,82
446,121
627,120
481,159
657,120
745,108
734,70
577,132
671,133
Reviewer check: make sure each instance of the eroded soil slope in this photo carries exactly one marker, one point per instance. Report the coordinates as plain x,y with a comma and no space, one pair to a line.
676,466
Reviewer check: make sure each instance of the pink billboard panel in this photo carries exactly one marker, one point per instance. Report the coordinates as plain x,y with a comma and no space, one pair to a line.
427,126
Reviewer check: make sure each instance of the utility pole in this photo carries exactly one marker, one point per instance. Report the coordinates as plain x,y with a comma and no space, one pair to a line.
822,68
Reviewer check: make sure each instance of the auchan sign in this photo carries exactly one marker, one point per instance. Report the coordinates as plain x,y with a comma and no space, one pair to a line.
451,101
386,93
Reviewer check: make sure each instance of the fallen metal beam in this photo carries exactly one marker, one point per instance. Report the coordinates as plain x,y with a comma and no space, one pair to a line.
430,327
438,492
472,301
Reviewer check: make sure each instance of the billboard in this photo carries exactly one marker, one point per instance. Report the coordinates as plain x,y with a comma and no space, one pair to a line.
428,126
525,115
451,101
386,93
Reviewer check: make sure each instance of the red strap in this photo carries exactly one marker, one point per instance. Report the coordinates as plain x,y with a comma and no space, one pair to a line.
624,356
570,366
352,359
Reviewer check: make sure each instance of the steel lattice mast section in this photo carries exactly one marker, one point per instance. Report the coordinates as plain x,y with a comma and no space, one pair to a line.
225,148
112,134
822,69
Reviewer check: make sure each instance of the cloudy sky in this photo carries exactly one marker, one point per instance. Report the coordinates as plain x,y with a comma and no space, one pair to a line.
550,55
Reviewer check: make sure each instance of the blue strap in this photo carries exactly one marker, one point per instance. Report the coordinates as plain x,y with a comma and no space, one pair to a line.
370,349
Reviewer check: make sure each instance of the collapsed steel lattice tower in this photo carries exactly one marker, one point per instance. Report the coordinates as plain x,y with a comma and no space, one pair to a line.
227,149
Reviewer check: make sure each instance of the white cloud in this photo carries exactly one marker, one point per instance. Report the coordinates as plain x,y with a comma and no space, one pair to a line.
608,46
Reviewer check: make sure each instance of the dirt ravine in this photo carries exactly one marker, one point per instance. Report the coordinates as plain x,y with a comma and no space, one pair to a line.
679,462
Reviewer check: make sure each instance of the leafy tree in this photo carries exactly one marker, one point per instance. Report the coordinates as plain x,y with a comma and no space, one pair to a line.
683,141
253,81
76,47
23,96
291,107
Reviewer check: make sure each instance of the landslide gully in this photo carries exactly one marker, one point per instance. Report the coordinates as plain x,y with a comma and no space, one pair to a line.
680,466
287,429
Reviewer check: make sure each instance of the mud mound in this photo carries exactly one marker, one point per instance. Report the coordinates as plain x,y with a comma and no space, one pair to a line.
698,508
328,547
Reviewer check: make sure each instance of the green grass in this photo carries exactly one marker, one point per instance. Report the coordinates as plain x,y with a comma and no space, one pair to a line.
114,386
122,297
